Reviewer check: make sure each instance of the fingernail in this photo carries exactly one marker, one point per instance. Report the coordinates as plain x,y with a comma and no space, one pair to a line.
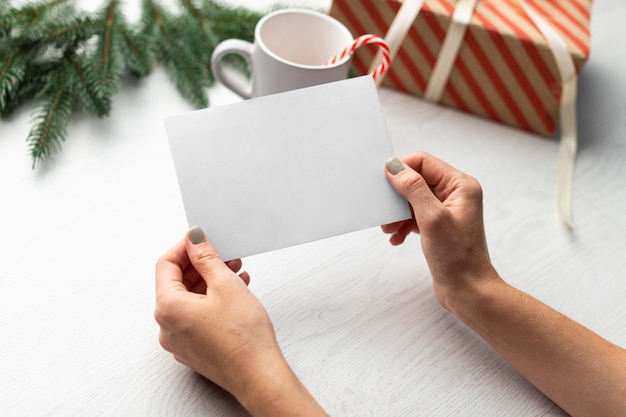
196,234
394,165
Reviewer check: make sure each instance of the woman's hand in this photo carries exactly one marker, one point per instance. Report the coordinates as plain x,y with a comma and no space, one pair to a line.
211,322
580,371
447,211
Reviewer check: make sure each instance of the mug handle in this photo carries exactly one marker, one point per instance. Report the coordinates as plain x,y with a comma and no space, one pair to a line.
238,47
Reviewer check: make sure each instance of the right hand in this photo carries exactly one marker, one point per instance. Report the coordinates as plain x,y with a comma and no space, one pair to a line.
447,213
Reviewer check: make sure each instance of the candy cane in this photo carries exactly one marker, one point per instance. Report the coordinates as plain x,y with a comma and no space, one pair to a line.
365,40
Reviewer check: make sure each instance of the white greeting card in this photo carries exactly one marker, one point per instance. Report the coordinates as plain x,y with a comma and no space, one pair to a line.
286,169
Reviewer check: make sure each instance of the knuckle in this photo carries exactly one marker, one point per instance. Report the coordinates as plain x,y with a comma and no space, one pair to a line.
438,217
161,314
474,187
165,342
166,310
413,182
160,261
207,254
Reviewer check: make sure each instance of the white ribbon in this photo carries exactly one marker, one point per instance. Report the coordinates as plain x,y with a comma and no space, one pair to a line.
397,32
449,49
445,62
567,111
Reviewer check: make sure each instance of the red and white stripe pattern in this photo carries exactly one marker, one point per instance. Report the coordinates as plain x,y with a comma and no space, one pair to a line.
504,70
365,40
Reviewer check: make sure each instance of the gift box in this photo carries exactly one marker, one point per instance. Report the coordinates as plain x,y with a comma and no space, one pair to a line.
504,68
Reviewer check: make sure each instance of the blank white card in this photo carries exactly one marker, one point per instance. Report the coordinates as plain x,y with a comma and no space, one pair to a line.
286,169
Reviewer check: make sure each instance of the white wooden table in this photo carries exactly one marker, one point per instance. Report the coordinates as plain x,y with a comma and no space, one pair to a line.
357,319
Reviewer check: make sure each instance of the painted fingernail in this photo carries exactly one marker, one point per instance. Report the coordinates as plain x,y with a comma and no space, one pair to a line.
196,234
394,165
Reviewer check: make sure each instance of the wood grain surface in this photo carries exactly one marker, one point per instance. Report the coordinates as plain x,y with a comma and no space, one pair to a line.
357,319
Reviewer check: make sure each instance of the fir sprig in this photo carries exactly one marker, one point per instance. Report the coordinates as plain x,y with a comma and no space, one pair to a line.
53,54
208,37
12,70
52,111
118,46
88,84
33,82
174,37
137,51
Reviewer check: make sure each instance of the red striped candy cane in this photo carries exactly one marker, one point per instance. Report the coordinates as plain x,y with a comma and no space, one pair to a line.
365,40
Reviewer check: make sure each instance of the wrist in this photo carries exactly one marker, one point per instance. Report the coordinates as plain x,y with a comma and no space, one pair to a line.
468,295
276,391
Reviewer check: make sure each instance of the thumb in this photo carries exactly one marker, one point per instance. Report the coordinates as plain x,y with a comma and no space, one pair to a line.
203,255
412,187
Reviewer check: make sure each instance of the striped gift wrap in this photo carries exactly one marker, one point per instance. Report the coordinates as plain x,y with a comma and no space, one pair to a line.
504,69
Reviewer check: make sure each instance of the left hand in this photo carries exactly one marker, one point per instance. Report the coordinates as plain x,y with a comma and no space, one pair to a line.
209,319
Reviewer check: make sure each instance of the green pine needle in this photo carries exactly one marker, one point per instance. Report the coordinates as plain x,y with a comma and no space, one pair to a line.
34,82
108,57
173,38
30,16
138,54
61,33
207,38
12,70
5,21
88,85
51,113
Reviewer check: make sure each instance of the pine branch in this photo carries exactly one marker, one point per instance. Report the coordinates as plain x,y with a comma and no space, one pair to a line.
138,54
34,18
207,37
88,85
34,82
52,53
51,112
14,55
61,33
12,70
29,16
173,38
5,22
189,31
108,58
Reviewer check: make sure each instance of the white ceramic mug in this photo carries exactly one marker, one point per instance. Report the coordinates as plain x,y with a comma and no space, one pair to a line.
289,51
